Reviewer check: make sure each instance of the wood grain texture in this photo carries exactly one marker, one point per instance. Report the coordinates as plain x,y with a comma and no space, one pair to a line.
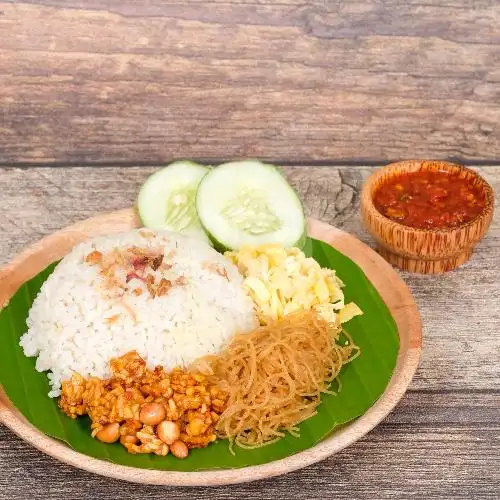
391,287
414,453
442,440
110,80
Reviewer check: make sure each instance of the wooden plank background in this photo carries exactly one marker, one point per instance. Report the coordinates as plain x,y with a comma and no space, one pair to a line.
442,440
116,83
108,81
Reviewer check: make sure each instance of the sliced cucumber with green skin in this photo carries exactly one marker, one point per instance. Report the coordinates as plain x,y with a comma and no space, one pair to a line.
167,199
250,203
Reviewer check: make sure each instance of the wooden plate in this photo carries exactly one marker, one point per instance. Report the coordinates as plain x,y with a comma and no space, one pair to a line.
390,286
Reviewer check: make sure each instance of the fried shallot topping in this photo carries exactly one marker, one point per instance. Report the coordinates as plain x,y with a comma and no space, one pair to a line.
135,270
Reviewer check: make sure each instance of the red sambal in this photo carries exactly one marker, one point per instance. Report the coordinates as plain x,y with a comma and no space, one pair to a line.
427,199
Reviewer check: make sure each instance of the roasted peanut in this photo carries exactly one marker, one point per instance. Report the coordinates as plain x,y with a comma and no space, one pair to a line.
179,449
109,434
152,413
168,432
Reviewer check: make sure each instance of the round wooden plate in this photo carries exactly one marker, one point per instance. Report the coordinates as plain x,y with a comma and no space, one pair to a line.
385,279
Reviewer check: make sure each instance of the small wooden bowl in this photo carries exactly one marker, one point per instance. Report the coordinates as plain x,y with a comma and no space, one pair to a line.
427,251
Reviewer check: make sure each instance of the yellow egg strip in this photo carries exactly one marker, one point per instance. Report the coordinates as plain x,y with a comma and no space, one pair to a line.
283,280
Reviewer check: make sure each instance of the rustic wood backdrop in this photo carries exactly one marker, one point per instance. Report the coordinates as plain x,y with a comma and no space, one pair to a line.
115,81
339,83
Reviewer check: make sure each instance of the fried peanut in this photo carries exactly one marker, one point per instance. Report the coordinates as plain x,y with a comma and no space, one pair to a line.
109,434
168,431
179,449
152,413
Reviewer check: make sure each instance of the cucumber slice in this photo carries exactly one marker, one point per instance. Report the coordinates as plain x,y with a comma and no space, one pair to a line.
167,199
249,203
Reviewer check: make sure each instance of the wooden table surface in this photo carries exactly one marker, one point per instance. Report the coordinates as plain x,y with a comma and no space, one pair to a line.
318,80
111,87
442,440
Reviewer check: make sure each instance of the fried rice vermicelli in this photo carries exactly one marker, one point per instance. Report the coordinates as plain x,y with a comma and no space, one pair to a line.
275,376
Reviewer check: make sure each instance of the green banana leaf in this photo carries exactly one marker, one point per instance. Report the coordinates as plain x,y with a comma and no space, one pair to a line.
363,380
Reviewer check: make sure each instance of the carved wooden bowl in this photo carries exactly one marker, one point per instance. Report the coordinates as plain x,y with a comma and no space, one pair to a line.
427,251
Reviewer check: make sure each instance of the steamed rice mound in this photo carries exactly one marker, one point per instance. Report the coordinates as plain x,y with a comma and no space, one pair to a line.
113,295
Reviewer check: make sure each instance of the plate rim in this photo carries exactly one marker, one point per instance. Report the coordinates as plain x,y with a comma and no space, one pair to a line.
381,274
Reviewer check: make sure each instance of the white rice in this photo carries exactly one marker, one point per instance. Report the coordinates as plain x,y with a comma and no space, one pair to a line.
67,326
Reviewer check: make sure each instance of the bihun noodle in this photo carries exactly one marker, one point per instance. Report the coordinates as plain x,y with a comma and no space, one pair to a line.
275,376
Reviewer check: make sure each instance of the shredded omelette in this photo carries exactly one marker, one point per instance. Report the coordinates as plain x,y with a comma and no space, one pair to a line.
282,281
